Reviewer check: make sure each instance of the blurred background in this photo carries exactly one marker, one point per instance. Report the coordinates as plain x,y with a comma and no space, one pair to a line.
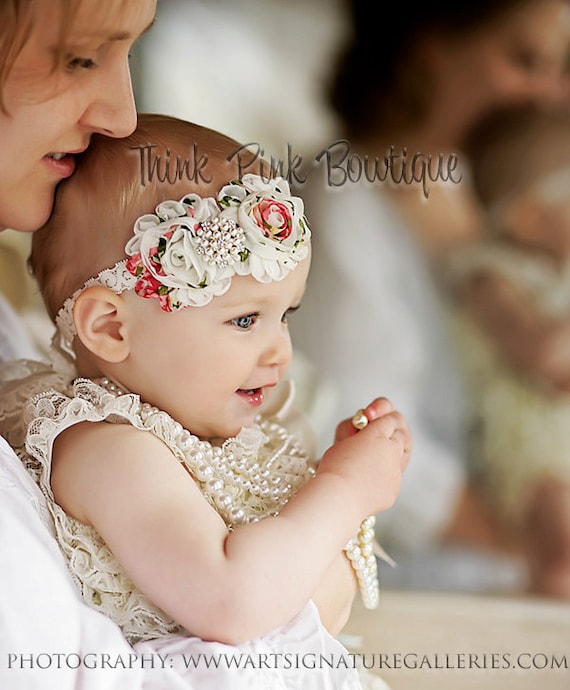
253,69
260,71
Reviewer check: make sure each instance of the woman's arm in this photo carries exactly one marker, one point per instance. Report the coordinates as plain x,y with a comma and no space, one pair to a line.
228,586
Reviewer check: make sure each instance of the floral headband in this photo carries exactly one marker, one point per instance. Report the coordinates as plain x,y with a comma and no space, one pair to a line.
188,252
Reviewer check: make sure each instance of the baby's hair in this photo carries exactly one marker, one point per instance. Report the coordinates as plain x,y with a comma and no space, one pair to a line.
96,208
514,147
17,22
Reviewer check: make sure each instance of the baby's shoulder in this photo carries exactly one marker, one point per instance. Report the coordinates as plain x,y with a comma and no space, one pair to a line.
102,443
93,460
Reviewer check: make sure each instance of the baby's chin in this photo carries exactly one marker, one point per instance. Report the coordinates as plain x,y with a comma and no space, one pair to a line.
219,432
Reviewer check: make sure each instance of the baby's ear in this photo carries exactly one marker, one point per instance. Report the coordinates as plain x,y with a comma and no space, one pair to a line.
99,315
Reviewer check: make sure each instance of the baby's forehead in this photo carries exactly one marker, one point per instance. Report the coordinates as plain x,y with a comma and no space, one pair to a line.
246,290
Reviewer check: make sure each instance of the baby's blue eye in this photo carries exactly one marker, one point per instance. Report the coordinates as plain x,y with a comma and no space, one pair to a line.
244,322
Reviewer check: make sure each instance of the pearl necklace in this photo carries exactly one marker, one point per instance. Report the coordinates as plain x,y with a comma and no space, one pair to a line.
360,552
252,476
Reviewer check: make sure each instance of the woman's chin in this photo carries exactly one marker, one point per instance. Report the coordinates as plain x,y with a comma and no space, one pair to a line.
27,218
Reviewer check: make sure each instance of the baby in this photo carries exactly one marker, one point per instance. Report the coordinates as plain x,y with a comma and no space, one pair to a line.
184,497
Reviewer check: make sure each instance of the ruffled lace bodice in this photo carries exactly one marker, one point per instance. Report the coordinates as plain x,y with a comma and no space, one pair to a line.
234,477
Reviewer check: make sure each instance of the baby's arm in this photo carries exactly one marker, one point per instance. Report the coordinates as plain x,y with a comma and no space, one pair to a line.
537,344
225,586
335,595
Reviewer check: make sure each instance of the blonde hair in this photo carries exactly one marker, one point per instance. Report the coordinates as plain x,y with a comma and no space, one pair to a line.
96,208
16,18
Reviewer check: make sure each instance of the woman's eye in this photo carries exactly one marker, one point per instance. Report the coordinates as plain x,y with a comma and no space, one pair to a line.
244,322
80,63
529,60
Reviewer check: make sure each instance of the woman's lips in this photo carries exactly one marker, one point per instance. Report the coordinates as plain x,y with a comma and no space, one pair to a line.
252,396
62,165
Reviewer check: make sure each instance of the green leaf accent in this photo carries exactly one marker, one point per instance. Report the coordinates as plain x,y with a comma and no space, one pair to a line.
161,247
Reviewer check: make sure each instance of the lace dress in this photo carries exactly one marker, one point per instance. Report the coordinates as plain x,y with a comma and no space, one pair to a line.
300,654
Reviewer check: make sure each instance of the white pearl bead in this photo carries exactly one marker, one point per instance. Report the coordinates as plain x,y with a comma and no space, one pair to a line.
214,485
203,472
223,500
237,514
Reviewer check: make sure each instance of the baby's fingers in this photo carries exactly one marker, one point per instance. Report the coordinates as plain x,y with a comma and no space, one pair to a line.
378,408
349,427
388,423
394,427
404,440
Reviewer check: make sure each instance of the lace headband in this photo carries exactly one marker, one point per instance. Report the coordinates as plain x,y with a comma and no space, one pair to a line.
188,252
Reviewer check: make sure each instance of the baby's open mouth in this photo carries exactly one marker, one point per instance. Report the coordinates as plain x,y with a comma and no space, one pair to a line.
253,396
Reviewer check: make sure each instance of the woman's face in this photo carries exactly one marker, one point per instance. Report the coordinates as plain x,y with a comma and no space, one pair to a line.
521,55
52,113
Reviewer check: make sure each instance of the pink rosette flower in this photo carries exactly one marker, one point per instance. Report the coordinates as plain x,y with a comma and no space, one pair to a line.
147,285
274,218
277,235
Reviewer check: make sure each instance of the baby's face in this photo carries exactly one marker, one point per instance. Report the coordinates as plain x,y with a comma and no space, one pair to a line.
210,367
539,218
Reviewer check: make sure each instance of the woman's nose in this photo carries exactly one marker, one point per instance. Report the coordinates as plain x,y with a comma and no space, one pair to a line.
111,111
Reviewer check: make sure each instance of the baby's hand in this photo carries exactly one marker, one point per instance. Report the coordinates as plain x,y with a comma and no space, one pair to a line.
376,409
371,461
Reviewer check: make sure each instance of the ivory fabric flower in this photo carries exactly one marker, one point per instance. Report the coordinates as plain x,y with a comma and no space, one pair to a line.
165,255
276,232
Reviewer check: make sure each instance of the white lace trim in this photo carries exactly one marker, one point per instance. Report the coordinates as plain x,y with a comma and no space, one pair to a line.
117,278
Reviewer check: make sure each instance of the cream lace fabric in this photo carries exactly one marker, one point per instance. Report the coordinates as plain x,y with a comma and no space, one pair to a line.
103,583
